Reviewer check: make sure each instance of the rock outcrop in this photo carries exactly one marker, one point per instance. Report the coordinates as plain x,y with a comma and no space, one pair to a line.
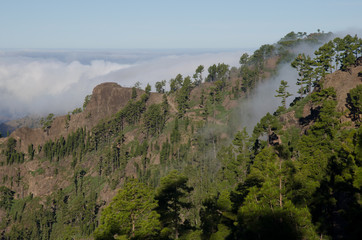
107,98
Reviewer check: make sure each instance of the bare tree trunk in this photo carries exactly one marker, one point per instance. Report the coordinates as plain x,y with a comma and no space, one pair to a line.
280,184
176,233
133,226
213,143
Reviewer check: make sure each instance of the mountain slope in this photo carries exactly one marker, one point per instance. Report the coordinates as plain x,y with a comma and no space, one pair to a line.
56,179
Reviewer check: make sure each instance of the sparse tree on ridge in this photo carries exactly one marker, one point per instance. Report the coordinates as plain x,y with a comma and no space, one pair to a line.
47,122
138,85
324,58
198,75
86,101
244,59
148,89
176,83
160,86
283,93
338,48
134,93
347,50
183,97
218,72
304,65
212,73
350,47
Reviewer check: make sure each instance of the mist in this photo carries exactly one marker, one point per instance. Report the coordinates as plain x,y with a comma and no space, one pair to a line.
262,99
39,82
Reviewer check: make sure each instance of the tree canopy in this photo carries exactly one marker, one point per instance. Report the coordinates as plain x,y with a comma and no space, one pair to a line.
130,215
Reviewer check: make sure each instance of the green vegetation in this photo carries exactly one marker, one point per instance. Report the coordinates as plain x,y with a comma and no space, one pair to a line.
311,71
86,101
198,75
354,102
176,83
12,155
303,64
171,197
283,93
159,86
6,198
76,111
47,122
130,215
154,119
60,148
182,170
183,97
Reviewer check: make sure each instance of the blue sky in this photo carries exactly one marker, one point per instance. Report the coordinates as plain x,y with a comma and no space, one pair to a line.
168,24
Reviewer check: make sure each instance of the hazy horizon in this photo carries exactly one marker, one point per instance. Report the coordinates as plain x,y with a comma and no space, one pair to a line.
40,82
52,54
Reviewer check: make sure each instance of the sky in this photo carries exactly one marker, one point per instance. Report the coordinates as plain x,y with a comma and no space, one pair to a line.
120,24
53,53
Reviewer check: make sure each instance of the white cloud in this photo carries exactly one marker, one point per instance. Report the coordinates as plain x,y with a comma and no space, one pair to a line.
27,80
43,82
167,67
38,86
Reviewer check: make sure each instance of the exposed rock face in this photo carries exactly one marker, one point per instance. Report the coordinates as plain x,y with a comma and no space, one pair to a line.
107,99
289,119
343,82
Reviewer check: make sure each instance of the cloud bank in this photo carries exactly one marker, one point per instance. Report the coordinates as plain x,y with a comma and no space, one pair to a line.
40,82
36,87
262,99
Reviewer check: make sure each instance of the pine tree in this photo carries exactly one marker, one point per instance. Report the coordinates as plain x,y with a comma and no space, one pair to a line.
354,102
153,119
86,101
6,198
304,65
198,75
134,93
31,151
244,59
324,58
171,197
183,97
148,89
175,134
283,93
159,86
176,83
130,214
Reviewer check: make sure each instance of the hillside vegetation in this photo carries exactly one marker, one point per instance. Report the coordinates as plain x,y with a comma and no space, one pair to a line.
136,164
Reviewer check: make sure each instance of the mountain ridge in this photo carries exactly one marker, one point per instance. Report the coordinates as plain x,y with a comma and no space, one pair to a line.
68,171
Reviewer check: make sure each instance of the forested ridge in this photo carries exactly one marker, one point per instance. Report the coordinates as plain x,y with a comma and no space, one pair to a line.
176,164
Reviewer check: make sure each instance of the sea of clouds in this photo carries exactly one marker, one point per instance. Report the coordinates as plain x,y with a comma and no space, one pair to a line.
38,82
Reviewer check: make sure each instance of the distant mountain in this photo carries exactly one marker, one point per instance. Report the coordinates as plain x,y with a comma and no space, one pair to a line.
9,126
